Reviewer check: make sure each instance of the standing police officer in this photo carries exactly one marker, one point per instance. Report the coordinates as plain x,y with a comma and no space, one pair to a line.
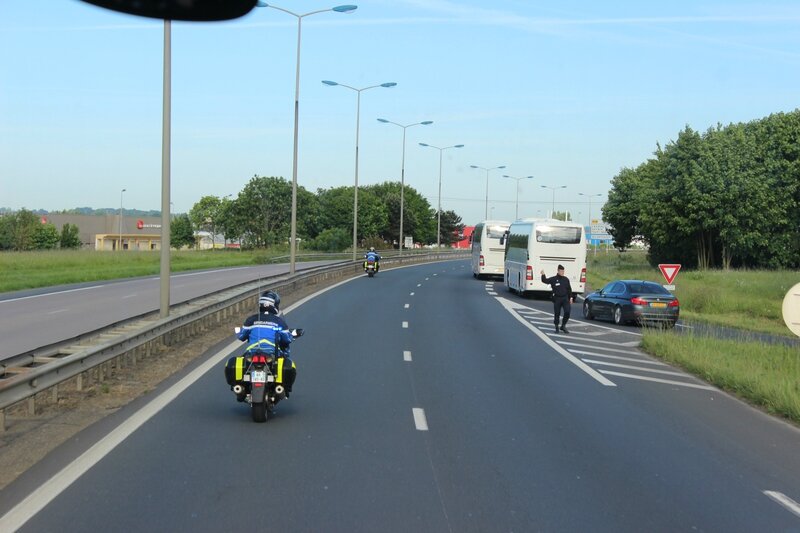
562,296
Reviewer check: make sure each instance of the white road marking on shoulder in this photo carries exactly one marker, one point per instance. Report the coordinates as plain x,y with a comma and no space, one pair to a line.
567,343
420,421
657,380
631,367
405,324
619,358
56,311
781,498
491,293
406,355
510,307
129,296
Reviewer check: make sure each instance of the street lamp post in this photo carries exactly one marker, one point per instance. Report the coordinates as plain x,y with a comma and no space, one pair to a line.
553,210
486,211
590,196
439,208
120,218
516,212
403,171
337,9
358,121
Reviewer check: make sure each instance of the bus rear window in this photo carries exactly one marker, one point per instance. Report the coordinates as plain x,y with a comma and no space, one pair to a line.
558,235
495,232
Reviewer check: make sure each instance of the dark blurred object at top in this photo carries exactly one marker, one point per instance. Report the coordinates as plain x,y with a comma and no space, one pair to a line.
194,10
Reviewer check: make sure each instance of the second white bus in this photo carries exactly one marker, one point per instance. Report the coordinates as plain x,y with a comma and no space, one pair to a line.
487,249
533,245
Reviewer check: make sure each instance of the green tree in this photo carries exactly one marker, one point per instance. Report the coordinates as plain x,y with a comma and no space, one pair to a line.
205,215
70,237
17,230
181,232
452,228
332,240
45,237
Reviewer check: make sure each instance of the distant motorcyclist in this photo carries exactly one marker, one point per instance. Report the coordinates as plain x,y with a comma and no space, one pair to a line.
268,333
373,256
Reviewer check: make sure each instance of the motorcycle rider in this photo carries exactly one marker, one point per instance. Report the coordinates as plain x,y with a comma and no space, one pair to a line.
372,255
268,333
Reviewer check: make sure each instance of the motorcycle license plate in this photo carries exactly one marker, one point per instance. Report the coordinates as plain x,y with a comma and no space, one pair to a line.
259,376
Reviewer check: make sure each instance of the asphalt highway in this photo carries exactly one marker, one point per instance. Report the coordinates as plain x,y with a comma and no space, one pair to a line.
34,318
427,400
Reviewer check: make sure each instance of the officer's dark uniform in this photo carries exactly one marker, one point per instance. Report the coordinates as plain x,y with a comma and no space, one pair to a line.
562,292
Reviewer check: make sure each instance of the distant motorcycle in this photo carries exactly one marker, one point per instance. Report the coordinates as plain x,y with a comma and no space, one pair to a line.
371,267
252,378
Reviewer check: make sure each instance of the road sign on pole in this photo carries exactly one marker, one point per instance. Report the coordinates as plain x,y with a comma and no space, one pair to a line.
669,271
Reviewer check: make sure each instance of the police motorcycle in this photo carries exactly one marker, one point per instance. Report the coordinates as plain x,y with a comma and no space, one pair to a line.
371,263
256,378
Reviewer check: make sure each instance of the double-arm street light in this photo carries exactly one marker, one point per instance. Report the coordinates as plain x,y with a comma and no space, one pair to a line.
516,212
403,170
553,210
358,119
486,211
439,208
590,196
337,9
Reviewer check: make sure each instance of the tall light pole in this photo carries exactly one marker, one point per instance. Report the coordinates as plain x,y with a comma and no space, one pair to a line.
590,196
358,121
486,212
439,208
553,210
516,212
120,219
337,9
403,170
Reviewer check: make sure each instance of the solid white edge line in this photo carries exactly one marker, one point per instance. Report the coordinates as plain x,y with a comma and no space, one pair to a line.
41,496
509,306
781,498
420,421
657,380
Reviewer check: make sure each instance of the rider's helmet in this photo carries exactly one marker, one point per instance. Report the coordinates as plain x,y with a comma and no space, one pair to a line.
269,302
371,248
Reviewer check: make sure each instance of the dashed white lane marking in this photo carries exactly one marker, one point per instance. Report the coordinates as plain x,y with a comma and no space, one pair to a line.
419,284
781,498
511,308
492,293
631,367
427,279
405,324
436,274
419,419
56,311
406,306
128,296
618,358
657,380
406,355
412,294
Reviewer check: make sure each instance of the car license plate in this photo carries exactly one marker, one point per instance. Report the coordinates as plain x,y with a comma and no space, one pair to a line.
259,376
658,304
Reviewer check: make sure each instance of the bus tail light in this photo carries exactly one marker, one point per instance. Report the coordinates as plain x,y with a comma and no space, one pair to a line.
529,273
482,262
583,275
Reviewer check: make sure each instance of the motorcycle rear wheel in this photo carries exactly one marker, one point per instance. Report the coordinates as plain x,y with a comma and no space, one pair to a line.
259,412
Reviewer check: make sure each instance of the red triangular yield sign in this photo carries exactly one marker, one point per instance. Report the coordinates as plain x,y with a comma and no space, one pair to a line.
669,271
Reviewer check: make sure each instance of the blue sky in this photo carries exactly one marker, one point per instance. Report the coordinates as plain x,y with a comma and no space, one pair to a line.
569,92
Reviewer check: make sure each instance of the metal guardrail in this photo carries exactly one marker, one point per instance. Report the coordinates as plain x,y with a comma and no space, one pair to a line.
24,376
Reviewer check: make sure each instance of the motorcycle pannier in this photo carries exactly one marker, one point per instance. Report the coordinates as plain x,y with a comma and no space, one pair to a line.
235,369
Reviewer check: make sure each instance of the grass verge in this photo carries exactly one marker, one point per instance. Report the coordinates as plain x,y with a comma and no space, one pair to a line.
767,375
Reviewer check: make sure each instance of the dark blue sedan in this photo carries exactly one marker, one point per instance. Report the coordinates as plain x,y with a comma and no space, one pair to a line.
623,301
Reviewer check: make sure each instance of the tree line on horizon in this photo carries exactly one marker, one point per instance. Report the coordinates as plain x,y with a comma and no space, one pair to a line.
729,197
260,217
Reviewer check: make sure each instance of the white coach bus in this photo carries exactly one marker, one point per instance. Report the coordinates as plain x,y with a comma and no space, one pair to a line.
534,244
487,250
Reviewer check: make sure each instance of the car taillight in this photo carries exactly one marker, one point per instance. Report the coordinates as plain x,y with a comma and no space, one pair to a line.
638,301
583,275
482,263
674,303
529,273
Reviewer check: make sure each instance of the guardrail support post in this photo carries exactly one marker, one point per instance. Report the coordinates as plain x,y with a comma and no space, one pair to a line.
55,393
79,382
2,420
32,405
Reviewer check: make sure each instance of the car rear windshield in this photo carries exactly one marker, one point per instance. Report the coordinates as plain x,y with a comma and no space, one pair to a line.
647,288
558,235
495,232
